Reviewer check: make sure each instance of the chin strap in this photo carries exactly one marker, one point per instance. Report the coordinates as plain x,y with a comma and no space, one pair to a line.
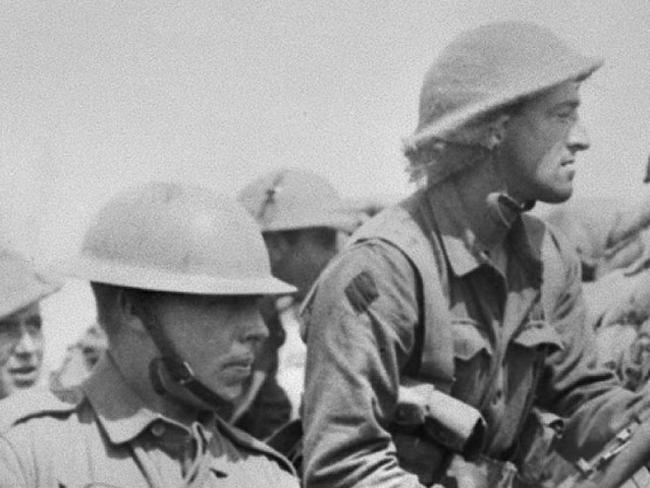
179,371
505,208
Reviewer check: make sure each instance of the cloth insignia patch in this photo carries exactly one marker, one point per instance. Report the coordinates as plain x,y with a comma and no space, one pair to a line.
361,292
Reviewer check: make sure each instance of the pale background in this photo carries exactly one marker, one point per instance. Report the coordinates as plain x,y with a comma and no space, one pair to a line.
98,95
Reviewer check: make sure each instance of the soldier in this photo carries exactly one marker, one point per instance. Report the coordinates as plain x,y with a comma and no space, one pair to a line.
456,301
176,273
21,337
302,217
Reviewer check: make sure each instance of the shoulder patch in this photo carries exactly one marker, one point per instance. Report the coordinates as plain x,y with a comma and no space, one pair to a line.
361,292
30,403
250,443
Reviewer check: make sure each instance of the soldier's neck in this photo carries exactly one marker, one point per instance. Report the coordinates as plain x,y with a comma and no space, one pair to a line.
481,191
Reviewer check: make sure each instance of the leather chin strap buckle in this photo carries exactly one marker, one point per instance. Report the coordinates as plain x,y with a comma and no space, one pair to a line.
180,371
513,205
505,208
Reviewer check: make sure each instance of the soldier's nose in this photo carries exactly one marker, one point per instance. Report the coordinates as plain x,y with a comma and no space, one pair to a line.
578,138
26,345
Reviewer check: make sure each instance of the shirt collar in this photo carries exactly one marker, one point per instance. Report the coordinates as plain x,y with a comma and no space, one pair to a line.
461,244
119,409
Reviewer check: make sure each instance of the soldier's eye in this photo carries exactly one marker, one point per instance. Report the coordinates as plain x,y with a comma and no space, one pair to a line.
34,322
8,328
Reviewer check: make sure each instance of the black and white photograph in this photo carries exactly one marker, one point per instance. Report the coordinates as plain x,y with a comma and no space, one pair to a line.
324,244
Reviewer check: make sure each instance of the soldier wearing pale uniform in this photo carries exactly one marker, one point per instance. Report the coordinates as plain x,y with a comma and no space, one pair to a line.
177,274
22,287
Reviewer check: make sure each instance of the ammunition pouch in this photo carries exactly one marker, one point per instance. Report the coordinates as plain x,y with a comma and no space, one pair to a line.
452,424
429,427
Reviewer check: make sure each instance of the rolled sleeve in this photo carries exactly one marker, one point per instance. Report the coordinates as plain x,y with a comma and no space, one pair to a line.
360,330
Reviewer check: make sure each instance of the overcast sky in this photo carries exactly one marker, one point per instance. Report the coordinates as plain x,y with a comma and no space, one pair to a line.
98,95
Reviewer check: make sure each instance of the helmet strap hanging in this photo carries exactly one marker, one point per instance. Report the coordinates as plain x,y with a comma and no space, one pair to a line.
506,208
178,370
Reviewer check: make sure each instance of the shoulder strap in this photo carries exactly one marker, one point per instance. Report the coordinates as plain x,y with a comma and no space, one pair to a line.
31,403
410,228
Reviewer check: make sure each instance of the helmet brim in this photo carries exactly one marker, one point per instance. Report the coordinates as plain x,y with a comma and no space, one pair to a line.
146,278
34,293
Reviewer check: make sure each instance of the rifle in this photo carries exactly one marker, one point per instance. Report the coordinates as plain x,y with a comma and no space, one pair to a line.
620,464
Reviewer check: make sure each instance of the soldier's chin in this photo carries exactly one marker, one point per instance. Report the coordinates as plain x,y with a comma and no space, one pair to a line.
557,195
230,393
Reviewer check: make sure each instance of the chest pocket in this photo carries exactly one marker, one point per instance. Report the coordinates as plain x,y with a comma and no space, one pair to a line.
539,336
473,360
526,354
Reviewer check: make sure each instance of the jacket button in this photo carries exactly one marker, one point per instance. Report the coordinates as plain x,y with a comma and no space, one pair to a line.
158,429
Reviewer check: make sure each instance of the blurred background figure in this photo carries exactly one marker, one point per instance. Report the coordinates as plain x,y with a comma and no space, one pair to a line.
612,240
303,221
80,359
606,234
21,337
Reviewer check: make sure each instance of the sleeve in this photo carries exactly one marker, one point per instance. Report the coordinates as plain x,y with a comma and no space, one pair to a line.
573,383
360,328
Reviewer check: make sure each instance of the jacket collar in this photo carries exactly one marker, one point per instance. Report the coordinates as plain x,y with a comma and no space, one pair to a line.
462,249
119,409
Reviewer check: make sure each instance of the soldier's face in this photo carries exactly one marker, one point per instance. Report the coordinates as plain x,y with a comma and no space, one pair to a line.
300,262
21,350
218,336
540,145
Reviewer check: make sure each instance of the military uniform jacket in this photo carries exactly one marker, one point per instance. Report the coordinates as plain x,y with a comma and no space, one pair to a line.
109,439
501,343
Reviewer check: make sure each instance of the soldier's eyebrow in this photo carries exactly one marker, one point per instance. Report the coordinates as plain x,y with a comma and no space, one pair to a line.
567,104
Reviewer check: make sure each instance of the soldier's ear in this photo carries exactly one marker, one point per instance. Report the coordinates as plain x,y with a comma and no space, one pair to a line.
497,131
128,311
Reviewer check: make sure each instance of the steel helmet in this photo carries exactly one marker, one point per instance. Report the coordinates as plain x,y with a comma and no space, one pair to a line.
176,238
289,199
490,67
20,283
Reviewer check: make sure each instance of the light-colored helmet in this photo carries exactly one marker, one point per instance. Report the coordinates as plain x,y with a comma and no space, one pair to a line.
490,67
20,283
176,238
289,199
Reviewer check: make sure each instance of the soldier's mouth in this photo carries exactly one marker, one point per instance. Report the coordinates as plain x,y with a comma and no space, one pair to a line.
24,375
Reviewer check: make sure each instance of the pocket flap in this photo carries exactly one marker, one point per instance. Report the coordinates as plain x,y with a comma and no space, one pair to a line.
469,339
538,333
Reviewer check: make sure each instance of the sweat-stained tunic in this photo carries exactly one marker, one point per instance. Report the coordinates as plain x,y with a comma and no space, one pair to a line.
513,341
